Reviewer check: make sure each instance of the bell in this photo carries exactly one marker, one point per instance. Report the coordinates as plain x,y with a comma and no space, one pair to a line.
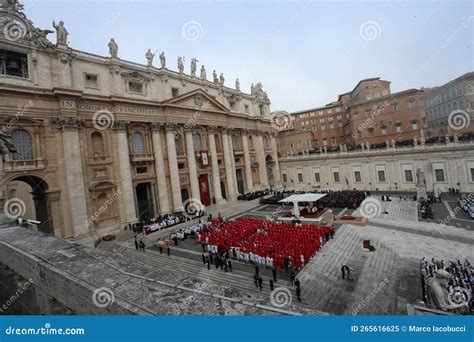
13,65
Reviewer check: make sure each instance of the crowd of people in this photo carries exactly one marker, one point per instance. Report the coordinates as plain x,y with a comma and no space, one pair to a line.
342,199
249,196
265,243
426,211
160,222
460,286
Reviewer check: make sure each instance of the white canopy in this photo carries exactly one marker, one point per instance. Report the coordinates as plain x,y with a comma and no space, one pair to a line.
303,198
295,199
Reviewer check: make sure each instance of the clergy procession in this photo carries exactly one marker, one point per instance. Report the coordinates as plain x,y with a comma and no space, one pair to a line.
262,242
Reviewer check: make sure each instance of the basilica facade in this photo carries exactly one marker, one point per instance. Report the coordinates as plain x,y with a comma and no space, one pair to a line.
102,141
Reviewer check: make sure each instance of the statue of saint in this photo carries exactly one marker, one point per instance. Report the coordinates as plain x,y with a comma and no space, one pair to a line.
193,67
203,73
420,177
252,89
214,75
163,60
61,33
149,57
113,48
237,84
180,64
221,79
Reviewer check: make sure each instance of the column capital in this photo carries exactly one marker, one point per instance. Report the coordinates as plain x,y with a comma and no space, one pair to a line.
213,129
171,127
120,125
68,123
156,126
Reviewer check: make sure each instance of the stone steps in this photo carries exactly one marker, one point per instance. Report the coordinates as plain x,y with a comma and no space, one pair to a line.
322,283
236,279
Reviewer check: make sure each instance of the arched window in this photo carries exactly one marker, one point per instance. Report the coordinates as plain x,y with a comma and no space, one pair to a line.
23,144
197,140
97,144
138,146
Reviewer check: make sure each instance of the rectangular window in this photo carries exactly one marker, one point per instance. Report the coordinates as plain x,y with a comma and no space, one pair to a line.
247,109
408,176
411,104
439,174
174,92
300,177
398,128
414,125
472,174
13,64
284,178
142,169
357,176
135,87
91,81
317,177
336,177
381,175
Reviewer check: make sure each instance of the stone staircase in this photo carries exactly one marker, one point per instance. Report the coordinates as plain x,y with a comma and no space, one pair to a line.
321,279
183,267
376,290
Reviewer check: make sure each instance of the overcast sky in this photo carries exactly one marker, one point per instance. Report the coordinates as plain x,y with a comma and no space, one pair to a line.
305,53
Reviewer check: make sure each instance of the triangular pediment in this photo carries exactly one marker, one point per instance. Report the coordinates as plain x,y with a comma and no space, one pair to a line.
198,99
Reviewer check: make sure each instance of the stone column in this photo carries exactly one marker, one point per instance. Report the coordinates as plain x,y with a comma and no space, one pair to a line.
262,165
128,213
232,160
193,177
173,165
160,170
230,191
72,164
216,181
276,169
247,162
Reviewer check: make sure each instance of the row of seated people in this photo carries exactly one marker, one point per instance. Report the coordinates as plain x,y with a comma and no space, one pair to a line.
460,286
249,196
160,222
342,199
276,196
277,241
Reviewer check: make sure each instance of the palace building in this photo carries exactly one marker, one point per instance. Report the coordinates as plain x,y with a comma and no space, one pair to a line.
102,141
